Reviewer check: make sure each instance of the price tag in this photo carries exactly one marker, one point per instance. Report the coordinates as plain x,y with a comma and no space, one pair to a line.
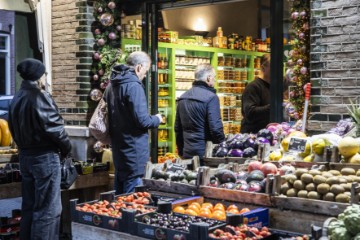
297,144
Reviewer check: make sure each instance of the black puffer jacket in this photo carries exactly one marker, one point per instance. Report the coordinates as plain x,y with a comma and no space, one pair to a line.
35,123
129,122
198,120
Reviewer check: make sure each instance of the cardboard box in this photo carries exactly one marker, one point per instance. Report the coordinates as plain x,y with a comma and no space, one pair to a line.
257,218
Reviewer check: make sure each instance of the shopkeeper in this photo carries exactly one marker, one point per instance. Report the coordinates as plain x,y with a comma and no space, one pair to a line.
255,101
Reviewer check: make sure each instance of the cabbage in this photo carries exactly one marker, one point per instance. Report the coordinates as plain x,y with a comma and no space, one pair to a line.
352,219
337,231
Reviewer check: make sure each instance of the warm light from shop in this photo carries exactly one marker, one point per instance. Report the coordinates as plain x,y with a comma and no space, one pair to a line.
200,25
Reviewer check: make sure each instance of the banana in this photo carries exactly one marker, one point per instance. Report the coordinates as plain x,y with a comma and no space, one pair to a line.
5,133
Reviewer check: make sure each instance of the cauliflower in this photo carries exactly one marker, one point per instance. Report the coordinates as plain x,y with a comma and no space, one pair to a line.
352,219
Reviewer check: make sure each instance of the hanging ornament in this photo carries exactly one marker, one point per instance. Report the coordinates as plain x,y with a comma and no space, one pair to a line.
101,42
112,35
303,70
290,62
295,15
289,74
95,95
111,5
103,85
101,72
97,31
118,28
99,147
95,77
107,19
301,35
294,79
305,26
303,49
303,14
292,94
300,61
100,10
96,56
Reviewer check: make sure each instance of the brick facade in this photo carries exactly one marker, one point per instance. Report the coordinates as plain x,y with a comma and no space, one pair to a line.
335,60
72,44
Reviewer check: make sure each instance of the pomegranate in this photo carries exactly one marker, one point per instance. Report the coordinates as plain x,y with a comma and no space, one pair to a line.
268,168
255,165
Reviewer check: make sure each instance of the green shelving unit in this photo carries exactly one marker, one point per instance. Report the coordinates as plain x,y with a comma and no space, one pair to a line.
172,51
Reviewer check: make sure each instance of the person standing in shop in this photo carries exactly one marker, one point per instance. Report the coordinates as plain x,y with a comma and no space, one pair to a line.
38,130
198,118
129,121
255,100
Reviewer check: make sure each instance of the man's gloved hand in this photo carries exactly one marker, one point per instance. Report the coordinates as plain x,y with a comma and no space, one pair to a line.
160,117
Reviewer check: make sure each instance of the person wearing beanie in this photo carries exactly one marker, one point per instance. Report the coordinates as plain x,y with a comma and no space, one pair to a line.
38,130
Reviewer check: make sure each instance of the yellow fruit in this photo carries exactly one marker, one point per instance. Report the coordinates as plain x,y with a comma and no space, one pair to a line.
355,159
179,209
309,158
348,147
298,134
275,155
307,150
285,144
5,133
289,158
318,146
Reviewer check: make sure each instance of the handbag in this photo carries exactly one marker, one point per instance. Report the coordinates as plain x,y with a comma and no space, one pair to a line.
99,123
68,173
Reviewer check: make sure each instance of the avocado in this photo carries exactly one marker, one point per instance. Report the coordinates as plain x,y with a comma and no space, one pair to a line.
313,195
292,192
299,185
335,172
302,194
329,197
307,178
343,198
191,176
291,178
318,179
255,175
310,187
300,171
347,171
346,186
323,188
314,172
327,174
332,180
225,176
336,189
284,187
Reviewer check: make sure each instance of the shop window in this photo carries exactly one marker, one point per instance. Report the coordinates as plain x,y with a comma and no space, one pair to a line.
4,64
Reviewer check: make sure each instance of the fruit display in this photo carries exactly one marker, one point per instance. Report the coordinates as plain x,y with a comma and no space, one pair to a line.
347,225
168,156
209,210
242,232
175,173
176,221
5,135
330,185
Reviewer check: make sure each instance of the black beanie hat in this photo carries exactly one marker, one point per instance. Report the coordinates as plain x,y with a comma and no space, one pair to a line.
31,69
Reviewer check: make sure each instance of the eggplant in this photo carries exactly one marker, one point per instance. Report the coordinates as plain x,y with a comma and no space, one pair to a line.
225,176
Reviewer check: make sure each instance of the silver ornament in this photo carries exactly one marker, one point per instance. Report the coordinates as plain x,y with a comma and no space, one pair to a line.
107,19
96,95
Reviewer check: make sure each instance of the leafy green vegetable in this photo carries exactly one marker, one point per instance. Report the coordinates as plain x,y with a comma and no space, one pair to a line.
352,219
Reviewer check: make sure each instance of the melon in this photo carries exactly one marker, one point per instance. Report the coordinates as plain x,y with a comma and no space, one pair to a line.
298,134
348,147
355,159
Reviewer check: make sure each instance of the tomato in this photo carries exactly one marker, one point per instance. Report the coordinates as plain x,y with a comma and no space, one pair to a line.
264,229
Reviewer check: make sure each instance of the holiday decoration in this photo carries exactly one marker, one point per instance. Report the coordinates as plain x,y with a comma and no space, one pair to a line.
96,95
299,56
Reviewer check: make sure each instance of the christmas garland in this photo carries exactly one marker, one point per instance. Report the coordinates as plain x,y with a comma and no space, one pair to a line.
299,61
107,52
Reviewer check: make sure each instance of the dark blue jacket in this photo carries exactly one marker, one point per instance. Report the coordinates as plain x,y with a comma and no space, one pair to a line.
129,122
198,120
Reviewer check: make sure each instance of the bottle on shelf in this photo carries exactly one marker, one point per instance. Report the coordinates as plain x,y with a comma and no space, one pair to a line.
166,63
159,61
162,62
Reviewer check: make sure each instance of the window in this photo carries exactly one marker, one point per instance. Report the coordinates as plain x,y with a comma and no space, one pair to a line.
4,64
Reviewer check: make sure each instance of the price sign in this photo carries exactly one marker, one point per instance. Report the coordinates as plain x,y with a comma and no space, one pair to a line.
297,144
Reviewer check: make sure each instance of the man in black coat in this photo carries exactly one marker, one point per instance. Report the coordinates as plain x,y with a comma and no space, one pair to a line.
129,121
198,116
256,100
38,130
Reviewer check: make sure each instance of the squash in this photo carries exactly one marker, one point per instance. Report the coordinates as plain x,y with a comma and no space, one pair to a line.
5,133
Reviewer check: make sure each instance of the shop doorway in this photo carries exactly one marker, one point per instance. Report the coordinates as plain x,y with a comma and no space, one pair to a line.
4,64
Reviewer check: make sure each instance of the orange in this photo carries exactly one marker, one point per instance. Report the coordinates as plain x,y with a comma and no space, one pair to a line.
196,204
219,206
191,212
179,209
205,212
233,206
244,210
193,207
233,211
207,205
218,215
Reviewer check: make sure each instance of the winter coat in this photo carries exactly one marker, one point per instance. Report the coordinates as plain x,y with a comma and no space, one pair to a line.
255,106
129,122
35,123
198,120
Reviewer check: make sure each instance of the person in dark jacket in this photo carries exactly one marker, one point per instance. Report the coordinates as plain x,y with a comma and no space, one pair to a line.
129,121
255,101
38,130
198,116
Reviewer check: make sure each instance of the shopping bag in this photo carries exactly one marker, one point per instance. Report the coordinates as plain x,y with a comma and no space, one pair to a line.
68,173
99,123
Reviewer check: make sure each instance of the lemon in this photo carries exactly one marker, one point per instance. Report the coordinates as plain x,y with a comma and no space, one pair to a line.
275,155
285,144
306,151
309,158
318,146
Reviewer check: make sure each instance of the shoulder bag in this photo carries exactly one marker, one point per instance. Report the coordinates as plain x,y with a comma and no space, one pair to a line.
68,173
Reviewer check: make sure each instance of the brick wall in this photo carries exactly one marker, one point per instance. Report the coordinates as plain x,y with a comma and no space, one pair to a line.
335,60
7,18
72,44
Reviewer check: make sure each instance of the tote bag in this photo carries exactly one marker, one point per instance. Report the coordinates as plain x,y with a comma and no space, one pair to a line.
99,123
68,173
